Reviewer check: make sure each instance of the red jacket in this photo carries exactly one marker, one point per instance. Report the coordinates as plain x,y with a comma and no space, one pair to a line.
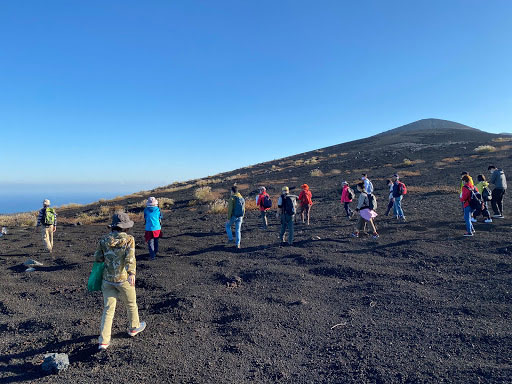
305,197
259,203
344,195
466,194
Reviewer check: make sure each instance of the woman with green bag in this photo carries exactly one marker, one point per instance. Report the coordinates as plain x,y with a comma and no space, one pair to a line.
117,251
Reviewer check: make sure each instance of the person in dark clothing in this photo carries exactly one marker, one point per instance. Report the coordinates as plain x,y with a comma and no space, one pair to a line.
499,181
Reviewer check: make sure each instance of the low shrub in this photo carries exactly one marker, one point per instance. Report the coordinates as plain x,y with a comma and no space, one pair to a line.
165,202
502,139
204,194
218,206
485,149
316,173
27,219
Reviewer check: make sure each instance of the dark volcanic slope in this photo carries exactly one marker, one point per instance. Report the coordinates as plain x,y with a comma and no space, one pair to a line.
421,304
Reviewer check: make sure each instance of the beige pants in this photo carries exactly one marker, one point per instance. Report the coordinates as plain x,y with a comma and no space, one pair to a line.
111,293
361,225
48,237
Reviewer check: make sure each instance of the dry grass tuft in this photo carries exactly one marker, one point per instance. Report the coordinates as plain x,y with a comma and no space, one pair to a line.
334,172
239,176
218,206
409,162
433,189
505,148
312,161
27,219
204,194
86,218
165,202
409,173
333,155
485,149
250,204
298,162
71,205
502,139
450,159
316,173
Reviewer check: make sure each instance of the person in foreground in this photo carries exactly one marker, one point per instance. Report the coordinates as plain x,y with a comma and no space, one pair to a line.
117,250
366,212
152,226
467,192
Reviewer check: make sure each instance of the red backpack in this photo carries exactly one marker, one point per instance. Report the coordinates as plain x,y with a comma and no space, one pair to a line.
402,188
306,198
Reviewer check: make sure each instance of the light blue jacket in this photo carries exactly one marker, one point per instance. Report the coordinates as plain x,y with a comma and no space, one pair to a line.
152,218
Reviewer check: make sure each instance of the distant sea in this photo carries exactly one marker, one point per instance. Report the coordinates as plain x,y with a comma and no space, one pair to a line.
16,199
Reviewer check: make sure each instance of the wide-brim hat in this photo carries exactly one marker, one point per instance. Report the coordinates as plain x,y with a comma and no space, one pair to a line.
285,189
121,220
46,202
152,202
344,183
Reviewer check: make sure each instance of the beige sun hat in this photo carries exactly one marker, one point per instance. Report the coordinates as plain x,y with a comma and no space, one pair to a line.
152,202
46,202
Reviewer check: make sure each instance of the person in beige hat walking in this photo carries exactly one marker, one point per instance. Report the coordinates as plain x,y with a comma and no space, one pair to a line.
47,218
117,251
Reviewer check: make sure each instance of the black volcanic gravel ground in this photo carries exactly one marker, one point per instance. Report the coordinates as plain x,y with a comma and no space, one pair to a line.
420,304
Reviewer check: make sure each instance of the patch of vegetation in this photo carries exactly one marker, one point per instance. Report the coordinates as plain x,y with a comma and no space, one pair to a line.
204,194
316,172
218,206
485,149
27,219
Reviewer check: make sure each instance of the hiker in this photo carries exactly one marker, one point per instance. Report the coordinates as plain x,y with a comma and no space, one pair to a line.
368,186
468,190
347,195
47,218
486,195
305,199
152,226
236,212
462,174
499,181
399,190
287,203
264,203
366,210
391,199
117,251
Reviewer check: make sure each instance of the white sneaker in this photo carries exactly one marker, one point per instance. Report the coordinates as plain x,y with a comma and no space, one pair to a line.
497,216
102,347
488,221
135,331
473,220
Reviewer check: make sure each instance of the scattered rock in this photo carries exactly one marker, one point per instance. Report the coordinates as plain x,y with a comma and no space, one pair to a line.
234,282
30,269
78,223
4,231
315,238
33,263
300,302
55,362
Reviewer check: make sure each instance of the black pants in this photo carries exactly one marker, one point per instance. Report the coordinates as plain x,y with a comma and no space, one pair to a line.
390,205
349,212
497,200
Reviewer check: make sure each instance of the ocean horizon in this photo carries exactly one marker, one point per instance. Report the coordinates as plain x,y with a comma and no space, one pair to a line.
28,198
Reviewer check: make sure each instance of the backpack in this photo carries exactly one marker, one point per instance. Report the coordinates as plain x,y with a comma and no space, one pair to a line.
306,198
369,190
267,203
372,202
351,194
239,208
487,194
289,205
49,216
402,189
474,201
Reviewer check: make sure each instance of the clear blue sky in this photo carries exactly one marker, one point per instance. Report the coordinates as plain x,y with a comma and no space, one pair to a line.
148,92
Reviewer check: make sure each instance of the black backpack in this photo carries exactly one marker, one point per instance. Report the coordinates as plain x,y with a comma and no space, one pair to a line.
474,201
267,202
487,194
372,202
351,194
289,205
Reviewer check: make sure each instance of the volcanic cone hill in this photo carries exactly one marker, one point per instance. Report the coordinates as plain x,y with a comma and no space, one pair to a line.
420,304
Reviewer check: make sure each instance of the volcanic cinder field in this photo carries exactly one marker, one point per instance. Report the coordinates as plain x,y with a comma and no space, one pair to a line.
422,304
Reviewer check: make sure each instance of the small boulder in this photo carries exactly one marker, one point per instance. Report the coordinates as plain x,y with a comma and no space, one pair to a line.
315,238
32,263
55,362
30,269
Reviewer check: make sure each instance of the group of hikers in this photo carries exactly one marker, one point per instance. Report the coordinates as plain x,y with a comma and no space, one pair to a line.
117,249
474,198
